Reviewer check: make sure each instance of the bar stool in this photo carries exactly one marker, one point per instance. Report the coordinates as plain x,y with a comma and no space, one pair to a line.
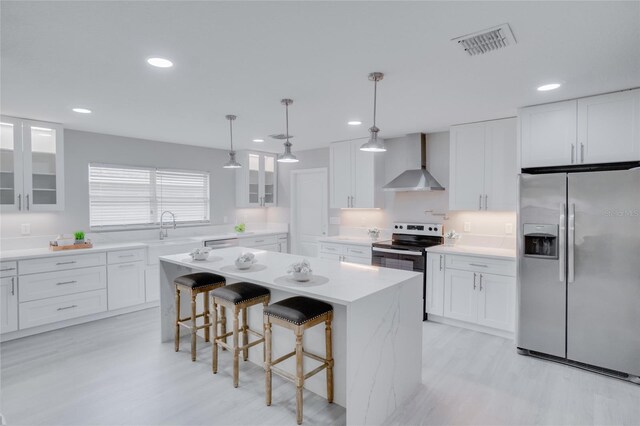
237,297
297,314
196,283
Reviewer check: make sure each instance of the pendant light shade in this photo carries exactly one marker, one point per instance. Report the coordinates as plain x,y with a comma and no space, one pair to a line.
374,144
232,163
287,156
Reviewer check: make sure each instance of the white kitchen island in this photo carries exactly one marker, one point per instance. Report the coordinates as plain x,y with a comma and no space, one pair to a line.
377,325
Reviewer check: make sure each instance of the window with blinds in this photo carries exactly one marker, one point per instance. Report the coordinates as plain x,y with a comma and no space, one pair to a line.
122,196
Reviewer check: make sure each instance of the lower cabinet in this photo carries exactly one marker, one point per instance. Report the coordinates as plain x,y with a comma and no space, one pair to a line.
53,309
152,283
8,304
330,256
350,253
470,295
126,284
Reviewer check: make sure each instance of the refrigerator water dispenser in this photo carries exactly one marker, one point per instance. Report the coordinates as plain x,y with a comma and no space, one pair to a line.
541,240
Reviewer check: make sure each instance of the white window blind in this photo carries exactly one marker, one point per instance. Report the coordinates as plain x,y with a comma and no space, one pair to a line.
121,196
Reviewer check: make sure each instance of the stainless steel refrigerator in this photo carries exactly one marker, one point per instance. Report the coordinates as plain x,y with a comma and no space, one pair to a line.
579,269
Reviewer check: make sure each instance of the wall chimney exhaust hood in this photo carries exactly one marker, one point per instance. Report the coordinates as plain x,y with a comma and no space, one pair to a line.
418,179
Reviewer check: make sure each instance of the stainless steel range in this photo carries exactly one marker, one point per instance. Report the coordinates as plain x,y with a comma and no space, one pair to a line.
406,250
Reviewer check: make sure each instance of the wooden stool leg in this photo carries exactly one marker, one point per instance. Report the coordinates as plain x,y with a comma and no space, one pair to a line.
177,337
206,315
299,374
223,324
193,325
214,353
329,356
236,351
267,356
245,335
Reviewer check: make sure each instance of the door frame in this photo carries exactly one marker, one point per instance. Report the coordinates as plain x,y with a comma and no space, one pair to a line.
294,208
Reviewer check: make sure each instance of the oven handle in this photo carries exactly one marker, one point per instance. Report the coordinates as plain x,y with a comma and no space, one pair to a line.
410,253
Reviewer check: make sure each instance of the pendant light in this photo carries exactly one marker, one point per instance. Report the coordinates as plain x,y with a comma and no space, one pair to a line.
287,157
232,163
373,144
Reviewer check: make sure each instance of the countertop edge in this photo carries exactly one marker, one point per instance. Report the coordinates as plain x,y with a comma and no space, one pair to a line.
471,251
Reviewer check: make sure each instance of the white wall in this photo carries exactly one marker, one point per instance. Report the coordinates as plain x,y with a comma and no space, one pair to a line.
82,148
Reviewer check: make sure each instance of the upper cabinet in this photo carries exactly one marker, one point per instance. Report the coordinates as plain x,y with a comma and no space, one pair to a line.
356,177
483,170
31,165
597,129
257,180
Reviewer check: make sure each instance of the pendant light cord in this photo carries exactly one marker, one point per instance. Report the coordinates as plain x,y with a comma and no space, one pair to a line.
286,108
231,132
375,95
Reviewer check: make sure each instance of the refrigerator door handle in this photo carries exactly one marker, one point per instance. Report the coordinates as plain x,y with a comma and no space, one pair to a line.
571,242
562,242
573,148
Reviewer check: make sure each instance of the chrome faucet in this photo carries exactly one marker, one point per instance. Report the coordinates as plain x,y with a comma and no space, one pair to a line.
165,234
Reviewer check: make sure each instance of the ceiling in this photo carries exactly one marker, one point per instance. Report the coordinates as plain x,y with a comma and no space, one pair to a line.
243,57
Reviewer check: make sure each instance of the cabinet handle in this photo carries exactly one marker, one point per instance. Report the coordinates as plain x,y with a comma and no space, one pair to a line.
356,251
126,255
480,282
67,307
441,262
66,282
474,280
19,201
479,265
582,153
259,241
27,196
486,201
480,202
7,269
13,286
66,263
573,148
126,265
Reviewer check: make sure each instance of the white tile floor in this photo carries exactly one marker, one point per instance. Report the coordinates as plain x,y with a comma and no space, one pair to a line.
115,372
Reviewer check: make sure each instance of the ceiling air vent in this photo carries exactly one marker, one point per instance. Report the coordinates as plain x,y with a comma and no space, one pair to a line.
485,41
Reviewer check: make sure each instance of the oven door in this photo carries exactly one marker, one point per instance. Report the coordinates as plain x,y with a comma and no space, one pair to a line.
398,259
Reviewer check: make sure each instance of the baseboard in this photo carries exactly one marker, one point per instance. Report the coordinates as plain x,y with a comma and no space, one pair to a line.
470,326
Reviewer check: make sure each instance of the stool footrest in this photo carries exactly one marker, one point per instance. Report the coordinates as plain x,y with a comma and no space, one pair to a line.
198,327
316,370
282,358
283,374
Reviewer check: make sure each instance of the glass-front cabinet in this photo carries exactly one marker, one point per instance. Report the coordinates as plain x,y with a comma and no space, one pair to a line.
257,180
31,165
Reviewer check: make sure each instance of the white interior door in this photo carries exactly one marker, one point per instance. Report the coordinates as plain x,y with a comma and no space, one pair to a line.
309,210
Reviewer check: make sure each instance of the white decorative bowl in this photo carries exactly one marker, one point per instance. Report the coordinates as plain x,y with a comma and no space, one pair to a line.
301,276
200,256
243,265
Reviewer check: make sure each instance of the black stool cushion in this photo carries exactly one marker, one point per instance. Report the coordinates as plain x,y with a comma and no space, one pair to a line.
240,292
297,310
200,279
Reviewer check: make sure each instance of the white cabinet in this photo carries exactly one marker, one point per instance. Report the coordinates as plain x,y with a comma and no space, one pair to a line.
434,297
609,128
596,129
483,167
283,243
8,304
257,180
356,177
31,165
342,252
496,296
53,309
152,283
460,301
125,285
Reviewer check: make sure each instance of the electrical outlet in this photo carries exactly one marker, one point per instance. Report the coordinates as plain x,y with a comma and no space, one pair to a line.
25,229
334,220
467,227
508,228
225,219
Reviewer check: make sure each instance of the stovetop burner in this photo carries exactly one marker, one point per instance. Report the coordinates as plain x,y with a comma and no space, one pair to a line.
413,236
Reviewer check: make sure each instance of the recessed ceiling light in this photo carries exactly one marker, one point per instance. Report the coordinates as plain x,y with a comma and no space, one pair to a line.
82,110
354,123
547,87
258,140
160,62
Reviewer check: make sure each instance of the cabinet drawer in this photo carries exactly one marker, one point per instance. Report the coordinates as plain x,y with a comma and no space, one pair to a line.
46,311
60,263
122,256
282,237
331,248
61,283
481,264
357,251
258,241
8,269
126,285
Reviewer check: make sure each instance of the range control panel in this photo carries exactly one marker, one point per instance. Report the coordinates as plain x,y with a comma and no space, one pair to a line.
434,229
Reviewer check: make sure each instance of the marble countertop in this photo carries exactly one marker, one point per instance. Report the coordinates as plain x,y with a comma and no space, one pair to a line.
491,252
8,255
356,241
335,282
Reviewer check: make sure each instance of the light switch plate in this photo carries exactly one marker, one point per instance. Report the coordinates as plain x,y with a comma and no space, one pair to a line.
334,220
508,228
225,219
467,227
25,229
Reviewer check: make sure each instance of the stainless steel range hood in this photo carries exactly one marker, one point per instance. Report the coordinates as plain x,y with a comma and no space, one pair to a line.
417,179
